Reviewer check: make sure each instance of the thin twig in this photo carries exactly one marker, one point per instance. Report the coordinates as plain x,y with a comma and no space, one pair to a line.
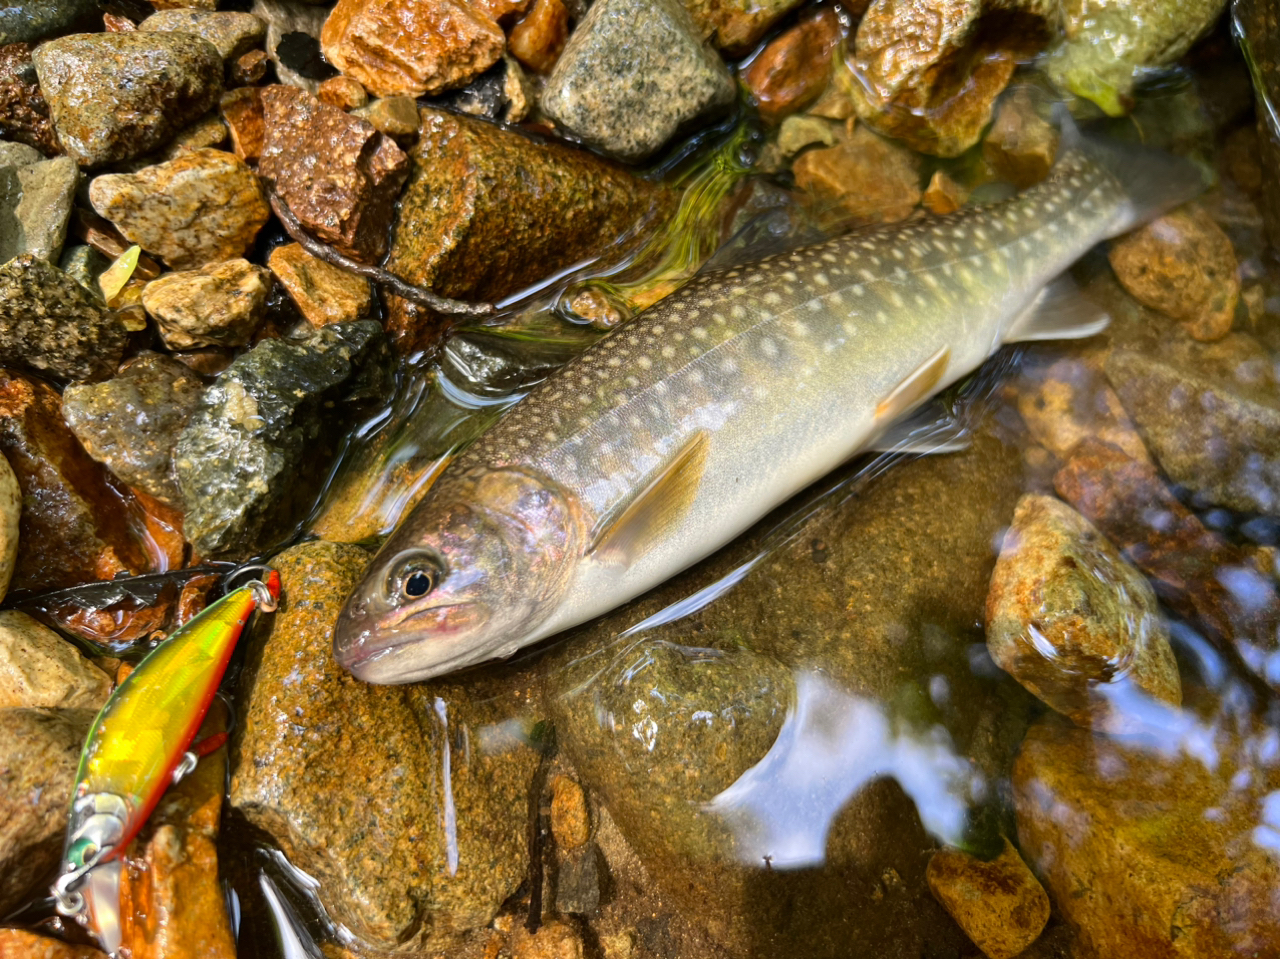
399,287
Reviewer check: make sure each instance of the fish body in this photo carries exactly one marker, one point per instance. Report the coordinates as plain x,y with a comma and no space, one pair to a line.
677,432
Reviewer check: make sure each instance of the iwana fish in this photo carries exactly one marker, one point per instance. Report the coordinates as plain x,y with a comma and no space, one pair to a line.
674,434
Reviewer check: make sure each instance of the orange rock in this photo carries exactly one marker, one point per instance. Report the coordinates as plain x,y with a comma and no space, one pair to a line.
873,180
22,944
943,195
793,70
342,92
499,10
538,40
1021,145
410,47
249,68
118,24
324,293
569,821
242,110
999,904
735,26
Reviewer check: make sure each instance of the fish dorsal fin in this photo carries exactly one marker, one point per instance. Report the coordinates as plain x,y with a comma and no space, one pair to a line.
930,429
627,531
914,387
1060,312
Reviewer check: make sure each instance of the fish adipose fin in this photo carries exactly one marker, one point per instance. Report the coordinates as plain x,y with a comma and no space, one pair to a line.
1060,312
930,429
626,532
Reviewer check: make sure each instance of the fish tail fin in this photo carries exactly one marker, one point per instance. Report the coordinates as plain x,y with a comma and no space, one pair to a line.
1153,181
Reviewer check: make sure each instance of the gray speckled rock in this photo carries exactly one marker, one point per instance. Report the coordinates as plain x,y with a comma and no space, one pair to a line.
50,323
131,423
234,34
245,457
29,20
35,203
115,96
632,74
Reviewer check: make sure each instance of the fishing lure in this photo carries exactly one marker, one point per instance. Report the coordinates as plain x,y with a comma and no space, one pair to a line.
139,744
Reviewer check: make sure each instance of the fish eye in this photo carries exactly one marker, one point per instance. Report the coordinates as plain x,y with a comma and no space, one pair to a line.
416,578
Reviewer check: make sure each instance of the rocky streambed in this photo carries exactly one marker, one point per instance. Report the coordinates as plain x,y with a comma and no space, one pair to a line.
1016,699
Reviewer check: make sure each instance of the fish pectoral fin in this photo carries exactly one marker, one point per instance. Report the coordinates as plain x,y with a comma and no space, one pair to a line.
914,387
1060,312
930,429
627,531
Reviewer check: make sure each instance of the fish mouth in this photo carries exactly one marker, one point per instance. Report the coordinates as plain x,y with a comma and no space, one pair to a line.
405,644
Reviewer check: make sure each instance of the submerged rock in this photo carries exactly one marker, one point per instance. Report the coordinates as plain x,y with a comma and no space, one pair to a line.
52,324
408,803
131,422
633,73
793,69
873,180
248,457
1021,145
735,26
115,96
487,212
24,112
232,33
21,944
40,669
39,753
1074,623
221,304
35,201
29,22
323,293
998,903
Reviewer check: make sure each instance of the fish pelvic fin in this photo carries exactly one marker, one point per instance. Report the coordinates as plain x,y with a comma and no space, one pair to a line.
916,386
1060,311
634,525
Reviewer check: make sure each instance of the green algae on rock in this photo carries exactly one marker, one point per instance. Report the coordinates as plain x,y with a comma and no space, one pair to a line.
409,804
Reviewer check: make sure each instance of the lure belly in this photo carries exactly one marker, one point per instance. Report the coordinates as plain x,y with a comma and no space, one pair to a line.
138,745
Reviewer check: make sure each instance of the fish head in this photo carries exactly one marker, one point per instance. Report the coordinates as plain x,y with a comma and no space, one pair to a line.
479,564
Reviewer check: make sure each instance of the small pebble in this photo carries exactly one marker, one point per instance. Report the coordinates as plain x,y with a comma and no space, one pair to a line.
342,92
943,195
570,823
999,904
538,40
217,305
397,117
249,68
1021,145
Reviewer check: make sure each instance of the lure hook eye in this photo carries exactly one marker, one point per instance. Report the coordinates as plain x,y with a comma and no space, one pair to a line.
69,901
262,594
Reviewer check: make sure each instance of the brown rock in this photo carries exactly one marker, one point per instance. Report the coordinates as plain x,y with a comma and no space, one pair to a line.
324,293
217,305
500,10
1073,622
203,207
735,26
171,899
24,113
76,525
342,92
943,195
794,68
487,212
872,180
555,939
118,24
1021,145
1184,266
40,669
1152,850
39,753
1063,401
999,904
21,944
338,174
249,68
413,48
241,109
10,517
538,40
569,821
1190,567
397,117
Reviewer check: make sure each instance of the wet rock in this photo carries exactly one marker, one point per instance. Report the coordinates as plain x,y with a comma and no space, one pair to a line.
797,133
633,73
244,459
217,305
338,174
35,202
999,904
208,131
131,422
24,112
39,753
1184,266
233,34
398,47
943,195
171,898
84,264
75,524
538,40
909,56
29,22
249,68
500,93
323,293
735,26
342,92
38,668
115,96
1149,848
1108,43
579,877
52,324
21,944
200,208
1074,623
397,117
287,18
394,759
487,212
241,110
864,619
793,69
1193,570
1021,145
871,179
555,939
569,822
10,515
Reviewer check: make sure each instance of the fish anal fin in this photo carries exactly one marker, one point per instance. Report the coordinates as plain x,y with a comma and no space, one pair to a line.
914,387
1060,312
625,533
930,429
